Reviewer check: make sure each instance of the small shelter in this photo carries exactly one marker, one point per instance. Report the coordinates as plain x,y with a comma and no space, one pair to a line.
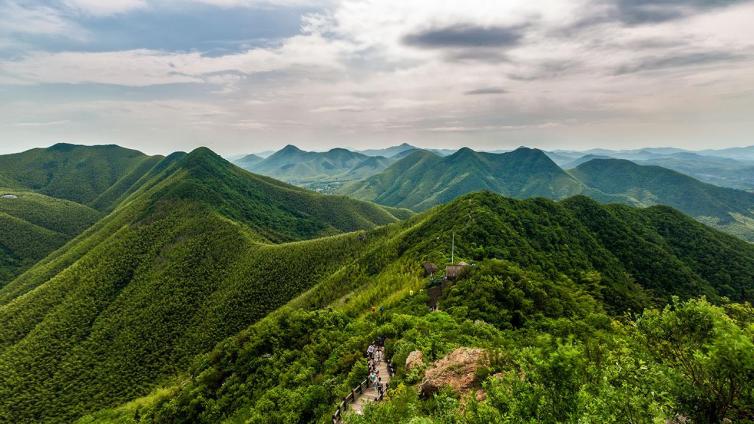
429,269
453,272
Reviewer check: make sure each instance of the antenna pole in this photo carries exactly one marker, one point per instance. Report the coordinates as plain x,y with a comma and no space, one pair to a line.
453,249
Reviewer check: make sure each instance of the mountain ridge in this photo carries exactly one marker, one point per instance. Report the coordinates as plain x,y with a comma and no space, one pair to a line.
424,179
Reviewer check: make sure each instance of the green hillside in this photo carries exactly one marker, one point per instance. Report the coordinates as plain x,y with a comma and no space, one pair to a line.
727,209
96,176
184,262
296,166
422,179
546,298
34,225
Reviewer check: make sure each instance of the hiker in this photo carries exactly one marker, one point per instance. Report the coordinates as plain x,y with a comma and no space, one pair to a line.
373,378
370,351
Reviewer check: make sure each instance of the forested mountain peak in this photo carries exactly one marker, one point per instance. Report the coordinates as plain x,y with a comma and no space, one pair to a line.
93,175
424,179
649,184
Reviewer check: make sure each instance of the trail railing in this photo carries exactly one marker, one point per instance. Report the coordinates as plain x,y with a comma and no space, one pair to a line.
351,398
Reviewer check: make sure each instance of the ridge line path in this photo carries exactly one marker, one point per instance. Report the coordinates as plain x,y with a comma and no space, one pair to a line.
372,394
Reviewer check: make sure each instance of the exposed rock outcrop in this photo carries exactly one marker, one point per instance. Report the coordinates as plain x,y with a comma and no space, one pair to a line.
457,370
415,359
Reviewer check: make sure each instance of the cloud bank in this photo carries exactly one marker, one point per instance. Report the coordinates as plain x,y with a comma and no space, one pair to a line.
583,73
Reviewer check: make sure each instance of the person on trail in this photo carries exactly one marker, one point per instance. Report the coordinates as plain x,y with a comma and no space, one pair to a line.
373,378
370,351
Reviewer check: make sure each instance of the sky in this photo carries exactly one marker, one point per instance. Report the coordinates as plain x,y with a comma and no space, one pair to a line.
243,76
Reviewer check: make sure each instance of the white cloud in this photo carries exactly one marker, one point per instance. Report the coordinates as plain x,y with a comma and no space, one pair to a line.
351,71
151,67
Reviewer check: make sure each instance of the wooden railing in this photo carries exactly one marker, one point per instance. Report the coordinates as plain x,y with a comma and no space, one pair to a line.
351,397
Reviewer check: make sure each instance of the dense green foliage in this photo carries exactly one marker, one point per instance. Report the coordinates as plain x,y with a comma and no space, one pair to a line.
423,179
211,294
299,167
92,175
545,297
184,262
562,365
726,208
33,225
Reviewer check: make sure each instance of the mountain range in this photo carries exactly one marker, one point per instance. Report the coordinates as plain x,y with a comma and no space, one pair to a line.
732,168
191,257
423,180
310,169
205,293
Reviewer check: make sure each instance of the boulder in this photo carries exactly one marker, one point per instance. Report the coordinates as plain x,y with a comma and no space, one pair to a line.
415,359
457,370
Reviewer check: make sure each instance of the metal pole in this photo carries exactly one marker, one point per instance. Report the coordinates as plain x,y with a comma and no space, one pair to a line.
453,250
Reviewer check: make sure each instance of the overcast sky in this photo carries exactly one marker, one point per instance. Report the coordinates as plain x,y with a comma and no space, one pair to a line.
245,75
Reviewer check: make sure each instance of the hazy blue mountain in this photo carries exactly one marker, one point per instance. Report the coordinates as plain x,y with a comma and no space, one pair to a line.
583,159
248,161
389,151
296,166
738,153
720,171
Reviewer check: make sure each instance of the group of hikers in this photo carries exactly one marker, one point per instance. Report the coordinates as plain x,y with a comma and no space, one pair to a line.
375,354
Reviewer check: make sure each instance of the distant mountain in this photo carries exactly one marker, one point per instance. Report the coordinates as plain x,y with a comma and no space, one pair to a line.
443,152
563,158
583,159
728,209
191,258
721,171
738,153
248,161
97,176
300,167
389,151
424,179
